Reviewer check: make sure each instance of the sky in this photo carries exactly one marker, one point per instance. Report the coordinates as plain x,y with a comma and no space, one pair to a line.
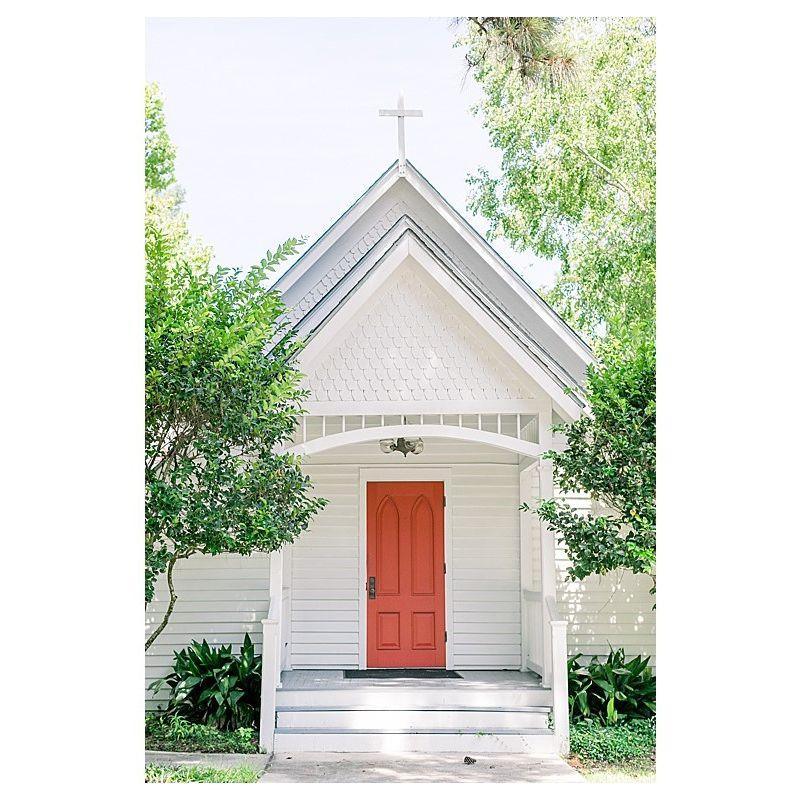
276,122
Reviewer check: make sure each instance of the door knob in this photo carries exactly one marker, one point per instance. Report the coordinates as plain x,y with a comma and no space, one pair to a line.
372,588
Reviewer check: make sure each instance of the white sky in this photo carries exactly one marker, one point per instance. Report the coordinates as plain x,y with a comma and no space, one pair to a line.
277,129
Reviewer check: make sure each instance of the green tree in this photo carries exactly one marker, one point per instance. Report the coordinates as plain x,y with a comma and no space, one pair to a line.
577,177
612,456
159,152
577,183
221,393
528,46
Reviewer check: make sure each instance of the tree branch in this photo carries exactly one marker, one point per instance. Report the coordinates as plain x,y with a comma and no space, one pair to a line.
615,181
172,598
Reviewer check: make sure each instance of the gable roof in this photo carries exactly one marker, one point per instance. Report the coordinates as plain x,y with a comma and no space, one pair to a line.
396,207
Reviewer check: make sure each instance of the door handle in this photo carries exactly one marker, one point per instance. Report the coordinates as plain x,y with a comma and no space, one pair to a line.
372,588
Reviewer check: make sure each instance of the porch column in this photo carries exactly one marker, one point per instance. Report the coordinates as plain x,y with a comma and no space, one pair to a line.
530,596
547,548
276,605
269,677
271,653
558,630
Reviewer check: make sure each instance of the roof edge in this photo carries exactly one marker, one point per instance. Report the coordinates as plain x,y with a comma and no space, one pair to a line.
281,284
519,280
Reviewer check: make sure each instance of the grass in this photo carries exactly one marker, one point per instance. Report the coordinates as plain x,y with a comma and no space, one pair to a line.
162,773
635,770
177,735
621,753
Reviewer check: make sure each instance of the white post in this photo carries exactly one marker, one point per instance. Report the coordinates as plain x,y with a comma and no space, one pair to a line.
527,520
547,547
276,605
266,730
560,685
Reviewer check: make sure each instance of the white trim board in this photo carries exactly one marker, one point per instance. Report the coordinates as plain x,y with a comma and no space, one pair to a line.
371,408
405,472
501,441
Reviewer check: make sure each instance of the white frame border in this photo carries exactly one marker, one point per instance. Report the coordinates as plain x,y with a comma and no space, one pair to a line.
408,473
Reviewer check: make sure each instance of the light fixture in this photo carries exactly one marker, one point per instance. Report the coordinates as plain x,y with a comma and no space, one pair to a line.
401,445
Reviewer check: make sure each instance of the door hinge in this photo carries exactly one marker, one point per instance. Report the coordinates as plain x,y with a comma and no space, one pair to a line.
445,635
444,564
444,500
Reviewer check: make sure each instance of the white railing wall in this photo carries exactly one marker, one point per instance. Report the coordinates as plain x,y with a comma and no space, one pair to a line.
272,653
547,655
558,673
535,656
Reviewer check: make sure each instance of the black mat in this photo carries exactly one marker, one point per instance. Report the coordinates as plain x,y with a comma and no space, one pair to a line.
401,673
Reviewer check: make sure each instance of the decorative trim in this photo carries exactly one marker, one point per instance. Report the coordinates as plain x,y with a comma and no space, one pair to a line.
323,443
299,268
329,330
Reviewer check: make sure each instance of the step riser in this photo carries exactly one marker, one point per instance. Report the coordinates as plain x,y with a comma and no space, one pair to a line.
375,697
542,744
399,719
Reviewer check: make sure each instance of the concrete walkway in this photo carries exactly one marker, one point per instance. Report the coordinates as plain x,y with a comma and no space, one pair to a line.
417,768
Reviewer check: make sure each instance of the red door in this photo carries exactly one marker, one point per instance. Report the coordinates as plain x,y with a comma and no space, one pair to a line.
405,569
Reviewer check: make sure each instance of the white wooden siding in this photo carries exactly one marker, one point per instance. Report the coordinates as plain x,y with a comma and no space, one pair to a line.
222,597
483,500
219,599
614,609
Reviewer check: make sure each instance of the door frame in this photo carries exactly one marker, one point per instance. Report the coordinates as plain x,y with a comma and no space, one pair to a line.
405,473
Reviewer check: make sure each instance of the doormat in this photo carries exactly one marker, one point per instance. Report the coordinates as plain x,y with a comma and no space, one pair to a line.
401,673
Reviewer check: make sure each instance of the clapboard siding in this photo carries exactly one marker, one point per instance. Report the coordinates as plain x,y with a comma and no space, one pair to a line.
485,568
219,599
483,501
324,580
222,597
614,609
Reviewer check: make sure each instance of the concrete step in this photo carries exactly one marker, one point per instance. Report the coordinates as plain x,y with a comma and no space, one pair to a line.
535,741
452,719
415,697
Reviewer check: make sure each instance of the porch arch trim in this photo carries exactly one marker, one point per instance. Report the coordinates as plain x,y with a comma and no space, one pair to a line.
359,435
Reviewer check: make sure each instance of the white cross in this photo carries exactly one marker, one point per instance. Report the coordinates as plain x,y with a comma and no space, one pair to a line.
401,112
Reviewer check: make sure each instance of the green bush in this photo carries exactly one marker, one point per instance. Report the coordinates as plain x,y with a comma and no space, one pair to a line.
169,732
212,686
164,773
626,741
612,690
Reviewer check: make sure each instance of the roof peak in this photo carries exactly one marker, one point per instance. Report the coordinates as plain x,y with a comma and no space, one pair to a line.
433,198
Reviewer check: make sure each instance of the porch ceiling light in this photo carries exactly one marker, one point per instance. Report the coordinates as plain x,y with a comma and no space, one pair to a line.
401,445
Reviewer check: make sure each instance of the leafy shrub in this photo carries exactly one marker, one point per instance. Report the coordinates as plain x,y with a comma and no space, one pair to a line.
170,732
612,690
627,741
212,686
163,773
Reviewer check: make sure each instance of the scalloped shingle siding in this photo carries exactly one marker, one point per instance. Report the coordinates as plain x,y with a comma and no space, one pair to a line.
410,346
